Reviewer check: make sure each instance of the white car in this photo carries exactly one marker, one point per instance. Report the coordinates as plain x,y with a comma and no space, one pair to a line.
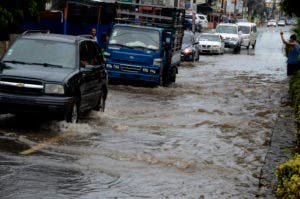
199,19
281,22
203,20
231,36
272,22
210,43
249,33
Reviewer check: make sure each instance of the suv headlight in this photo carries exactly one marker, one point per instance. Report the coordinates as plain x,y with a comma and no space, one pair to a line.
157,62
54,89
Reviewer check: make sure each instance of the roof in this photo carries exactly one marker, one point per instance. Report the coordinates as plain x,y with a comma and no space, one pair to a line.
138,26
54,37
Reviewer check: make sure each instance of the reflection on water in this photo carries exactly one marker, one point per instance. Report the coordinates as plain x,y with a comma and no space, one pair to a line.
205,136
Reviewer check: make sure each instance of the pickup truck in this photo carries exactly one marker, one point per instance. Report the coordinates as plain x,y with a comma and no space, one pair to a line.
145,44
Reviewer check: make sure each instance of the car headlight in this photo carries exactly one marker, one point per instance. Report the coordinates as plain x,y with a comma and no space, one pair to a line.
187,50
152,71
108,66
157,62
54,89
116,66
145,70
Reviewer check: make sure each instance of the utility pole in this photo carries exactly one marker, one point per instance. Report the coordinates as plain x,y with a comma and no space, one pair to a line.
222,6
234,11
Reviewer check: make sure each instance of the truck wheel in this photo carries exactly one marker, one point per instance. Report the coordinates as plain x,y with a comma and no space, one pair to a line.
173,75
72,115
253,45
248,45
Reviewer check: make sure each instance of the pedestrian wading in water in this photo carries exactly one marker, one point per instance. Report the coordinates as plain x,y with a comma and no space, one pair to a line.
294,50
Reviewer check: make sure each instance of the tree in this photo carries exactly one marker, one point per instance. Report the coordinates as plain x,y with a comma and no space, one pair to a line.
290,7
14,12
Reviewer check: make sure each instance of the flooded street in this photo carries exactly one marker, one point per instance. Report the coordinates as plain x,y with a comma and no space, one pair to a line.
206,136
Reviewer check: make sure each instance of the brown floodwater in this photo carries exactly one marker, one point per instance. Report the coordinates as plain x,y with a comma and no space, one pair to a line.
206,136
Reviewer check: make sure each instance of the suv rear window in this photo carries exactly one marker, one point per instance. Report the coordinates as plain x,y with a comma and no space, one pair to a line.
226,29
41,52
244,29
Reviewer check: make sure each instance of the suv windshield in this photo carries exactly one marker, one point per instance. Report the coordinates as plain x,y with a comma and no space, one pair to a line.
226,29
135,38
43,52
244,29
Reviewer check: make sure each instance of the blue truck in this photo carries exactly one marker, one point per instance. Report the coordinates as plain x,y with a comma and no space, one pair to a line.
145,43
76,17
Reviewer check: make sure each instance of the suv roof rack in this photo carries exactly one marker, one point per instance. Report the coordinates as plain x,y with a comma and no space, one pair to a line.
27,32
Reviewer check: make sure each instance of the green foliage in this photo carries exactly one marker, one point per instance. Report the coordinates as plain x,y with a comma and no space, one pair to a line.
290,7
288,175
296,29
14,12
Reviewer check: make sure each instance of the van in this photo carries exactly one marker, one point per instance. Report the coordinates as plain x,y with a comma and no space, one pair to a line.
230,35
249,33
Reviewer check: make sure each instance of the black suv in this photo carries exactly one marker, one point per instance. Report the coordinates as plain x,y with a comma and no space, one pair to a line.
52,73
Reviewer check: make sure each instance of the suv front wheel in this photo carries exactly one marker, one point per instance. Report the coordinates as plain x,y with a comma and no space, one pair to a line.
72,115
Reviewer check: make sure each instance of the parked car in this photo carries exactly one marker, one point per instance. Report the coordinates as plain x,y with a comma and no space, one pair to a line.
61,75
203,20
281,22
249,33
189,23
272,23
210,43
231,36
190,49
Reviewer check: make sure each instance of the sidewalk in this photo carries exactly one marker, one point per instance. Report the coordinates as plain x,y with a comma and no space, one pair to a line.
283,136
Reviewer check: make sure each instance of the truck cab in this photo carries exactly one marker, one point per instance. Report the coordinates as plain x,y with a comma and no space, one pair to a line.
145,48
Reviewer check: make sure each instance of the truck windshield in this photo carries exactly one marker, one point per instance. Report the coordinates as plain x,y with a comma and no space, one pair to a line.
134,37
41,52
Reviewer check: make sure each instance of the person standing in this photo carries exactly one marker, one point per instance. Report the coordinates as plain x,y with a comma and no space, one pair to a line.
94,34
294,50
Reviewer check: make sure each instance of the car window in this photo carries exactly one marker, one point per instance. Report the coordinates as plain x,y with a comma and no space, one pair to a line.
84,54
93,54
42,52
209,38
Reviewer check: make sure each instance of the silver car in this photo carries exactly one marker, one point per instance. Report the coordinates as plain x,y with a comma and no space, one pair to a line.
210,43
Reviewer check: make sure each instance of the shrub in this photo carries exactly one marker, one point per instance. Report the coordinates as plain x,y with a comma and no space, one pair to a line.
288,174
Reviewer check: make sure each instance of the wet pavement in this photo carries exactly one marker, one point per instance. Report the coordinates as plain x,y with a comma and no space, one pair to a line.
206,136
